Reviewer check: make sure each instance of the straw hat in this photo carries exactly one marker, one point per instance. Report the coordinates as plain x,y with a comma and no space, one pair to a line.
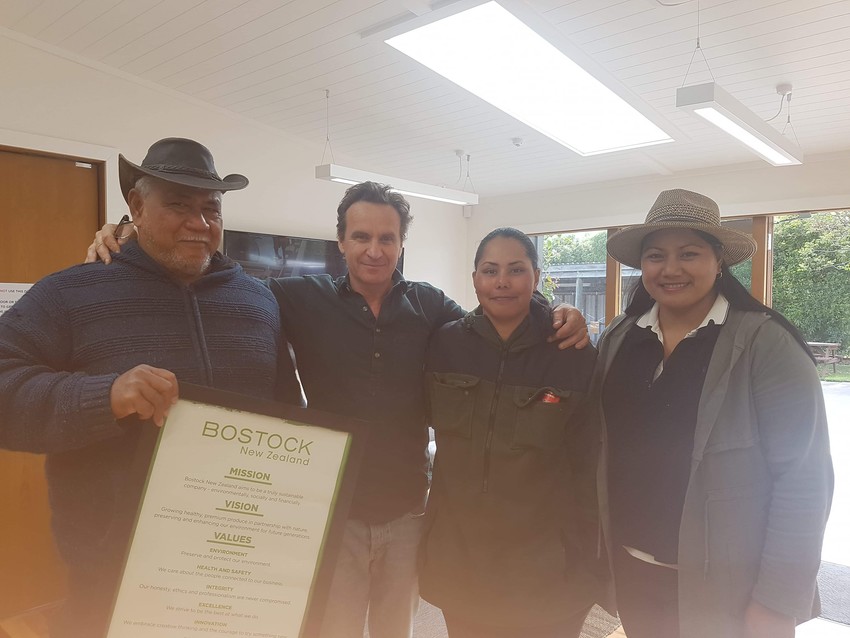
679,208
180,161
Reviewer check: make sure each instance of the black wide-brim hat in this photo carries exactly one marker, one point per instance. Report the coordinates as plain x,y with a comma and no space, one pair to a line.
678,208
181,161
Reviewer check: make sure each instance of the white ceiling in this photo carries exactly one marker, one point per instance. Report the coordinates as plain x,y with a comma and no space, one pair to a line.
271,60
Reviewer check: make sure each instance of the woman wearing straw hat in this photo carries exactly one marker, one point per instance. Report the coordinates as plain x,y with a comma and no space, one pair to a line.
715,475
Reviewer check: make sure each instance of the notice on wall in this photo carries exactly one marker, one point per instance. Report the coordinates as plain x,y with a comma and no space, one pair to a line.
232,526
10,293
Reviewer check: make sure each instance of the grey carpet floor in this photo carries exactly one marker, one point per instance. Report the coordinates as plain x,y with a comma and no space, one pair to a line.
834,585
833,581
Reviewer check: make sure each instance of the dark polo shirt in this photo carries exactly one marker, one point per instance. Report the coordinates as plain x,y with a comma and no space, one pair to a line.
355,364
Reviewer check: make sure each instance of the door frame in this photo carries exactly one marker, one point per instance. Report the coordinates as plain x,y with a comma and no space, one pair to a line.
112,205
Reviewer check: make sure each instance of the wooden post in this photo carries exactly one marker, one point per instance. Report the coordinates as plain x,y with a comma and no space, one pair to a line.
762,259
613,285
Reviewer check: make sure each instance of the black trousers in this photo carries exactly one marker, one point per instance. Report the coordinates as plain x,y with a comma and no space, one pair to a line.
647,597
459,627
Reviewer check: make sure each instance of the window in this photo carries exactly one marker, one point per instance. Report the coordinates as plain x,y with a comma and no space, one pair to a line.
573,271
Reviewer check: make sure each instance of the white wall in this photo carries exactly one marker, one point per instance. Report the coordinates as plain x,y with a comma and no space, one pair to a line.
822,182
74,107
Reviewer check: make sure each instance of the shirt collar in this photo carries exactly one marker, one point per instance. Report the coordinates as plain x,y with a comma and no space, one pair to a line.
717,315
343,284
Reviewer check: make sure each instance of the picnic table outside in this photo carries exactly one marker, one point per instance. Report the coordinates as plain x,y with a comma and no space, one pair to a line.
825,352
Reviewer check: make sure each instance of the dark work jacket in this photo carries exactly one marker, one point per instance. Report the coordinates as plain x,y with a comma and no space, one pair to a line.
511,524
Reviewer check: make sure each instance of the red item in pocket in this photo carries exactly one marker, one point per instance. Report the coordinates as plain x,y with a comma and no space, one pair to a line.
550,397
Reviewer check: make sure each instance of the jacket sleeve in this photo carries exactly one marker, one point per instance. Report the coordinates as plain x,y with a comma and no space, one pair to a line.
44,405
788,400
439,309
451,310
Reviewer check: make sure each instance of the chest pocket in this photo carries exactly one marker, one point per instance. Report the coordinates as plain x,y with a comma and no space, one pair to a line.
453,402
542,416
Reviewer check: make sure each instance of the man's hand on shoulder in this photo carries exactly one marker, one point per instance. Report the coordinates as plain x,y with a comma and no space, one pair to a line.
105,243
144,390
570,327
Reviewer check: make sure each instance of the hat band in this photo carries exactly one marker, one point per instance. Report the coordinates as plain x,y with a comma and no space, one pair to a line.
181,170
683,219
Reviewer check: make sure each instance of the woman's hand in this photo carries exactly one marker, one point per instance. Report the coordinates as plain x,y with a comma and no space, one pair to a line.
763,622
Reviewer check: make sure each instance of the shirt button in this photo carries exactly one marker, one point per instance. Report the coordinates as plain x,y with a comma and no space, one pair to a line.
377,355
365,308
377,329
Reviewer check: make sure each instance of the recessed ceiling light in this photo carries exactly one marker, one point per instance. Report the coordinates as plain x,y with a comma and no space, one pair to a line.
491,53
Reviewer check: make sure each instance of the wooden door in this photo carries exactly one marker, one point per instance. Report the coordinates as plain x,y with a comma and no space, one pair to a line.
50,208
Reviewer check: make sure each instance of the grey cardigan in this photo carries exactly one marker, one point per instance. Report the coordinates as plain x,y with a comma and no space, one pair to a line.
761,478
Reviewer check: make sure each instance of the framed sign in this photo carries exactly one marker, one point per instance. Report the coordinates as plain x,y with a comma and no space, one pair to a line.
242,512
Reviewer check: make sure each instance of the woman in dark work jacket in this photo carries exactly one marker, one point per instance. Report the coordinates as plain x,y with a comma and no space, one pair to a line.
510,530
715,478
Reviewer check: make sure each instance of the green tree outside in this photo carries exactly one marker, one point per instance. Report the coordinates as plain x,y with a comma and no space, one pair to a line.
744,273
568,248
811,270
811,274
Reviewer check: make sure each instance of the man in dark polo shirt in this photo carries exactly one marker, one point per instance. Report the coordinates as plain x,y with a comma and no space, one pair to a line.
360,344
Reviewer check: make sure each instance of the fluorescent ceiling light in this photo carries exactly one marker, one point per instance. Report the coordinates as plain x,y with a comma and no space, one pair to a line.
724,111
344,175
491,53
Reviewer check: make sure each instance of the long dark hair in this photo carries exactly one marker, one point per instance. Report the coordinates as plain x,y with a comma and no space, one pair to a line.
727,285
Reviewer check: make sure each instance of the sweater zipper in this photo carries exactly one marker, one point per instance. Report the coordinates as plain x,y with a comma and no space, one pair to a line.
199,337
491,425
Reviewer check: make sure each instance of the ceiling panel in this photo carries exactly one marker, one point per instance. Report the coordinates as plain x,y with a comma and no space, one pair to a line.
272,60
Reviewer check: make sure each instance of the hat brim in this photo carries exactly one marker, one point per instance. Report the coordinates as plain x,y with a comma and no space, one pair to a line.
625,245
129,173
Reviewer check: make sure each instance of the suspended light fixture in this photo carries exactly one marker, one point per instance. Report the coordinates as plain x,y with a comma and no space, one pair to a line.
345,175
333,172
711,102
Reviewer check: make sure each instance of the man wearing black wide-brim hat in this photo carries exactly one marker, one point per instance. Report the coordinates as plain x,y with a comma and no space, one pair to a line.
175,199
91,358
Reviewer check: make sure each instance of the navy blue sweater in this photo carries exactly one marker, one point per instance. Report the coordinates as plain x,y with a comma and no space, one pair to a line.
65,342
